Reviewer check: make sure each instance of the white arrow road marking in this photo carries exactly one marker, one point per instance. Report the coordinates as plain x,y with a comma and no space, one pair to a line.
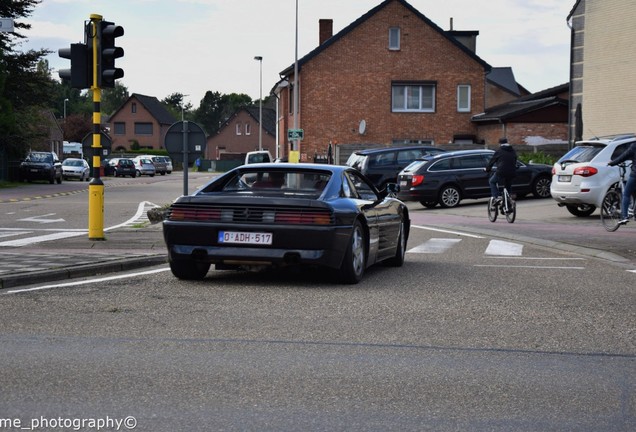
499,247
70,233
435,245
13,233
42,219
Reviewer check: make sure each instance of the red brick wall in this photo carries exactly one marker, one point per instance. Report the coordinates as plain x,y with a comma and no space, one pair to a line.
125,114
351,80
226,140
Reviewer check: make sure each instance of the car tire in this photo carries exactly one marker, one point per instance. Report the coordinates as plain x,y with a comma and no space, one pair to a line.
429,204
581,210
138,173
400,250
189,269
449,196
541,187
355,260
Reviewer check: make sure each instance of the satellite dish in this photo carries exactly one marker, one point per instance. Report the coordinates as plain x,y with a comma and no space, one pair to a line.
362,127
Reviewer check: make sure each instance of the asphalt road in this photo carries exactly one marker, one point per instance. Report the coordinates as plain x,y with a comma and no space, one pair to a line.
472,334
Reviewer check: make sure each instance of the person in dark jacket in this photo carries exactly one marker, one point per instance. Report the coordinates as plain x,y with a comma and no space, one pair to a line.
630,186
505,160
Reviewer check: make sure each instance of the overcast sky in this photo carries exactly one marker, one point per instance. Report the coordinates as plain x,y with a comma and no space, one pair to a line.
192,46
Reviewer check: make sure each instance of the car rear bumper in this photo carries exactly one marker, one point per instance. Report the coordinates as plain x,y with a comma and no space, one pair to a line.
323,246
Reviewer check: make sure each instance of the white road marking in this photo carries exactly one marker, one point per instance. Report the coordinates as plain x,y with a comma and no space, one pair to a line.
435,246
42,219
532,267
13,233
89,281
447,231
504,248
72,233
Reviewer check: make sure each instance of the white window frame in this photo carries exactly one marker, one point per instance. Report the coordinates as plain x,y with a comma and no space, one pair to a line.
394,38
413,97
248,128
238,129
463,100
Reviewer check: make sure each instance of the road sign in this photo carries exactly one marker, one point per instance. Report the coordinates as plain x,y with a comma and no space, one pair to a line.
295,134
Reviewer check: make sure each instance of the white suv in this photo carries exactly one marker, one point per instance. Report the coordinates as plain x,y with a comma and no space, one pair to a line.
581,178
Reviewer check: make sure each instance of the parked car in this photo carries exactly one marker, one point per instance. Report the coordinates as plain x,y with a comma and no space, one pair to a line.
448,178
382,166
161,167
260,156
144,166
73,168
581,178
168,163
41,166
122,167
282,214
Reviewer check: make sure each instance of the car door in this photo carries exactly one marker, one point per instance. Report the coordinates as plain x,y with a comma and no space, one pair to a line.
471,175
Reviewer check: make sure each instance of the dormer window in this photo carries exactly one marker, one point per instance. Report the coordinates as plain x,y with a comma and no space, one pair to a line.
394,38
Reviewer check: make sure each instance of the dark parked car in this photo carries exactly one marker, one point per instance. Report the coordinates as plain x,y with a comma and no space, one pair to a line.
121,167
382,166
448,178
281,214
75,168
41,166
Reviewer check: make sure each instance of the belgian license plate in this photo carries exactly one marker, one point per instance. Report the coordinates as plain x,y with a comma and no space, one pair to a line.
403,183
565,178
238,237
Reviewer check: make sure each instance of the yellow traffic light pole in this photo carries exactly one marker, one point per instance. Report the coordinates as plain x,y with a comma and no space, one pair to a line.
96,186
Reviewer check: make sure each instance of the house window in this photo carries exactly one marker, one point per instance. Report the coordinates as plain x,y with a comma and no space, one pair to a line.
143,128
463,98
394,38
238,129
413,98
133,108
248,128
120,128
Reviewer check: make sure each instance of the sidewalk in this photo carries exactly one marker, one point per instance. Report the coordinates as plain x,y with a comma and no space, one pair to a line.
125,248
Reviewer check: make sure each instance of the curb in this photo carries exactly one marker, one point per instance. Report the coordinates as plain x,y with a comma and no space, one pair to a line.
86,270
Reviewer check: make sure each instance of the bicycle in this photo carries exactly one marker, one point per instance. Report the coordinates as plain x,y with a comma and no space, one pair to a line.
611,207
506,206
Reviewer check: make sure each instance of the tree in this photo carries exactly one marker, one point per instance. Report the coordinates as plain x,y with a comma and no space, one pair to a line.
175,104
216,108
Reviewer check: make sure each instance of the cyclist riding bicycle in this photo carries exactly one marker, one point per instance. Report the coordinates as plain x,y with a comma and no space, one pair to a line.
506,162
630,186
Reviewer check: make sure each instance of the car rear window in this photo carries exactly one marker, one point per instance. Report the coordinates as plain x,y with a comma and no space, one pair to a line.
582,153
280,182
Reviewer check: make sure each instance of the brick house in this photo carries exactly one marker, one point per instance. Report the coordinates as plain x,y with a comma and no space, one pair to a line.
602,64
239,134
142,120
390,77
536,119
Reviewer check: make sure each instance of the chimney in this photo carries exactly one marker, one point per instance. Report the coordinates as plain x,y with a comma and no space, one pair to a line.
326,30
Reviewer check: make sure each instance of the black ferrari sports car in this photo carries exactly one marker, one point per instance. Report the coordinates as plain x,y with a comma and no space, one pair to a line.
280,214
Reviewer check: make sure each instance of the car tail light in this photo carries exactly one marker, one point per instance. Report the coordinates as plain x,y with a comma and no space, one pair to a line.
553,171
585,171
194,214
417,179
304,218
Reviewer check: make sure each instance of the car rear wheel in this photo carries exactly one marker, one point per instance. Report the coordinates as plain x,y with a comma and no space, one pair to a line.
355,259
449,196
138,173
189,270
541,187
581,210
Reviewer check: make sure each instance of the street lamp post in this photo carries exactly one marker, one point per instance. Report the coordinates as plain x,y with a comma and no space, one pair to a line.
65,100
260,105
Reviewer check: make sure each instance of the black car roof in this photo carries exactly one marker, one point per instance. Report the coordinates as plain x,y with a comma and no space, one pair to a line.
392,149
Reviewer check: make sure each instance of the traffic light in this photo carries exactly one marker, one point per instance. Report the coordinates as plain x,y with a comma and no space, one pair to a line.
80,75
108,53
